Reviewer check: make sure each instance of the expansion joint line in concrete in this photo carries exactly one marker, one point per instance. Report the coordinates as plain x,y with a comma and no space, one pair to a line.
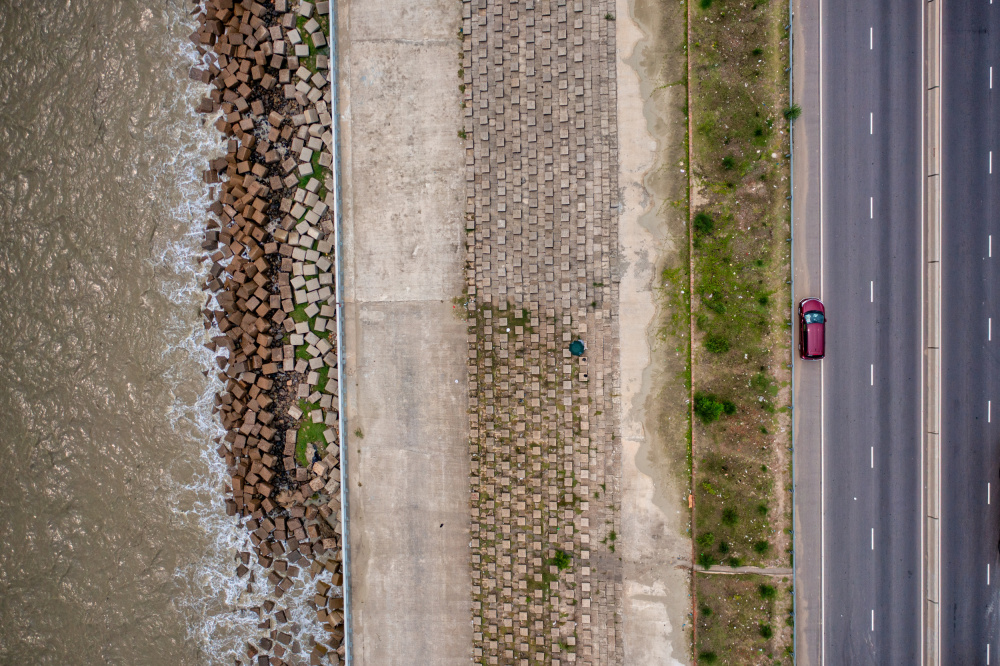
345,536
931,334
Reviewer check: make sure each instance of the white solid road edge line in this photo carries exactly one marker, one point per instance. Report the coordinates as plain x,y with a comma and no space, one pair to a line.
930,452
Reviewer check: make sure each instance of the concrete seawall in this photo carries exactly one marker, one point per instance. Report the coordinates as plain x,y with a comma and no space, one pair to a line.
406,381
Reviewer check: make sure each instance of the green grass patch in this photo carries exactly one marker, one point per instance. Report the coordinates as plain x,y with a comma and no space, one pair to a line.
734,292
298,314
730,489
309,62
309,432
739,629
319,173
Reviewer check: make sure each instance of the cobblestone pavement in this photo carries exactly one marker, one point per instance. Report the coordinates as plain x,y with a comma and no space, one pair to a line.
541,217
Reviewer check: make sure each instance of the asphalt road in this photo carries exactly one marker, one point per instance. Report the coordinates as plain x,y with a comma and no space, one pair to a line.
871,284
970,381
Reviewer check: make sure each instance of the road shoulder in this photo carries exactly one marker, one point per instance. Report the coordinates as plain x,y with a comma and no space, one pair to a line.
807,405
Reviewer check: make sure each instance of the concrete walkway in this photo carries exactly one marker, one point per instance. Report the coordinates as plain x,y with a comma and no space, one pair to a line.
655,546
406,378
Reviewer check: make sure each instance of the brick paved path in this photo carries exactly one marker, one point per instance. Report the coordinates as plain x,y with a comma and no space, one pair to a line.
541,166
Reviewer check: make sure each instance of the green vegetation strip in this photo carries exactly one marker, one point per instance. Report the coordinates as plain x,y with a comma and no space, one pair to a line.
744,619
740,225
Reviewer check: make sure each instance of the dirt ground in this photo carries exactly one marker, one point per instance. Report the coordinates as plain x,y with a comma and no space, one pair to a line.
656,547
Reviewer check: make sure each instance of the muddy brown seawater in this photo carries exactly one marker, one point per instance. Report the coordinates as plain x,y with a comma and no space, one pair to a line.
115,546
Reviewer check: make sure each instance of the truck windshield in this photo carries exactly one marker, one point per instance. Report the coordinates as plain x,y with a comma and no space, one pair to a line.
814,317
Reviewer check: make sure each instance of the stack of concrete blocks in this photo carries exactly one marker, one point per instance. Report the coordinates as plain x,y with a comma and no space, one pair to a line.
541,167
270,246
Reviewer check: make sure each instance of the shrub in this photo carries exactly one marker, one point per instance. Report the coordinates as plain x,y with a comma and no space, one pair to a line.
707,407
762,547
723,547
704,224
728,407
706,539
735,562
562,560
706,610
728,163
730,516
793,112
708,657
716,343
768,591
766,631
706,560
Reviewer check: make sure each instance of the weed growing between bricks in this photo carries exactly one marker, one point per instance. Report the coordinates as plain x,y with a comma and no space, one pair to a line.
526,503
740,228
